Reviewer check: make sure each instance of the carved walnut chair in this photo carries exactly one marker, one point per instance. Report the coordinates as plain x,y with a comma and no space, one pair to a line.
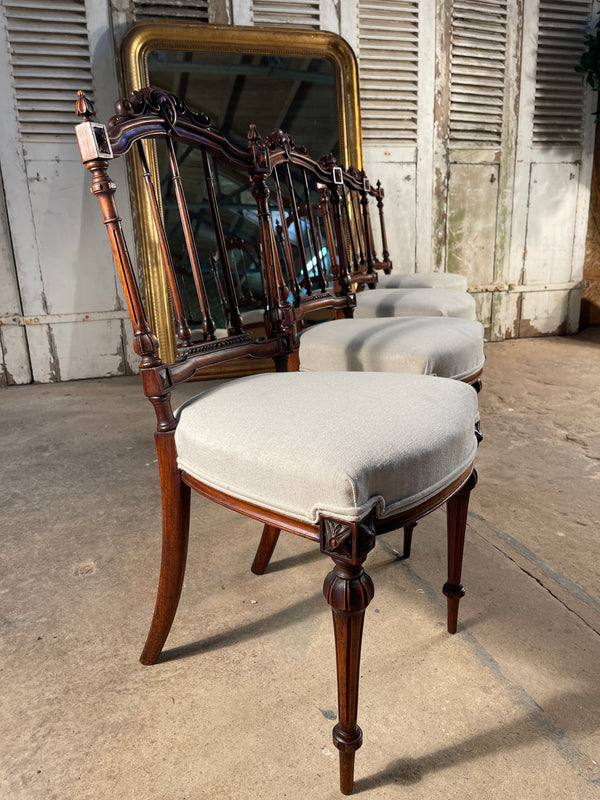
445,346
345,485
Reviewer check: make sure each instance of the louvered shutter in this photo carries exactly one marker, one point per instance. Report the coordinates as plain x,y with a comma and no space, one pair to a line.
287,12
196,10
388,57
559,90
50,61
477,65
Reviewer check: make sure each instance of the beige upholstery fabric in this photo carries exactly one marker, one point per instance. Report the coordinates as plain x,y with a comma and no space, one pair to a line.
444,346
422,280
255,316
414,303
300,443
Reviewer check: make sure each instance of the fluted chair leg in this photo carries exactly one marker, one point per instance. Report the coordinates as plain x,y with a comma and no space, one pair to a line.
266,546
456,518
348,590
176,524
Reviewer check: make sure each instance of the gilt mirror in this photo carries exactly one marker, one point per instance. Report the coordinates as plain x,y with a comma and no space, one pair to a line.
303,81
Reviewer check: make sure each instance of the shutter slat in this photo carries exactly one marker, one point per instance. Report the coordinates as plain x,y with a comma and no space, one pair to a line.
304,13
178,9
477,65
388,56
50,60
559,91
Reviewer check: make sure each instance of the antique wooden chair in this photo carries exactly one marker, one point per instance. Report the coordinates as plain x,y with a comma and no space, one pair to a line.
347,483
446,346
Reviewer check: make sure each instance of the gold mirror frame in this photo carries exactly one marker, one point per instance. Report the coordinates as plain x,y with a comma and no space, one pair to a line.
146,37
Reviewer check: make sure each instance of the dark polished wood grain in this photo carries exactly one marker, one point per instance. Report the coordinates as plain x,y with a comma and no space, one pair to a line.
328,210
176,524
458,506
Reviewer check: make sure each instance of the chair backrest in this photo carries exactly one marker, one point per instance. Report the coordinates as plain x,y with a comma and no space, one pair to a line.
153,114
268,178
351,241
309,229
384,263
245,262
360,197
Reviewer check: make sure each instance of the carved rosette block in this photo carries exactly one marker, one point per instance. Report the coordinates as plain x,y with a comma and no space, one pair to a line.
347,542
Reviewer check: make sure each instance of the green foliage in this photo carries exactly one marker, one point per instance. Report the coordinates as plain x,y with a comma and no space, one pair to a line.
589,62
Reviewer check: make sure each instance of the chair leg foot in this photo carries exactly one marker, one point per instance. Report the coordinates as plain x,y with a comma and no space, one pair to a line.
348,590
453,595
268,540
176,524
347,771
456,518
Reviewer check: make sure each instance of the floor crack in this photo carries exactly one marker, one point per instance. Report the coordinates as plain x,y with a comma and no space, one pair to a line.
537,580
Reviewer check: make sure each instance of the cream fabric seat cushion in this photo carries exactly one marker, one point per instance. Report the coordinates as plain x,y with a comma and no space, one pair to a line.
444,346
298,443
422,280
414,303
255,316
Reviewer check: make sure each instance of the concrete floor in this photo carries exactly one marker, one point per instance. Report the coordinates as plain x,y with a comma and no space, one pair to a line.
243,702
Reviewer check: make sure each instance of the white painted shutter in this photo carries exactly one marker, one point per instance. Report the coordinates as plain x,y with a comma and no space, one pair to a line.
477,65
559,91
388,57
50,60
196,10
287,12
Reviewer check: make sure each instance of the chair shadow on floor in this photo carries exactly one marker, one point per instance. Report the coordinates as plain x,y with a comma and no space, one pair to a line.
530,727
533,725
296,612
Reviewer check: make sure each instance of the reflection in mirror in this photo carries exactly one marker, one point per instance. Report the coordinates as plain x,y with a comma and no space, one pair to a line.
301,81
297,95
240,230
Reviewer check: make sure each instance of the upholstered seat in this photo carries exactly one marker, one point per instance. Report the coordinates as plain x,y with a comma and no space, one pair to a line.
421,439
415,303
336,457
444,346
422,280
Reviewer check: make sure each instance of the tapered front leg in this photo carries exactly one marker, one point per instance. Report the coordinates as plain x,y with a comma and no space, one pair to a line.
456,518
266,546
176,524
348,590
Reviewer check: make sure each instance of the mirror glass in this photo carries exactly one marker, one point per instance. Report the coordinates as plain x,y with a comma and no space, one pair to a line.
302,81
